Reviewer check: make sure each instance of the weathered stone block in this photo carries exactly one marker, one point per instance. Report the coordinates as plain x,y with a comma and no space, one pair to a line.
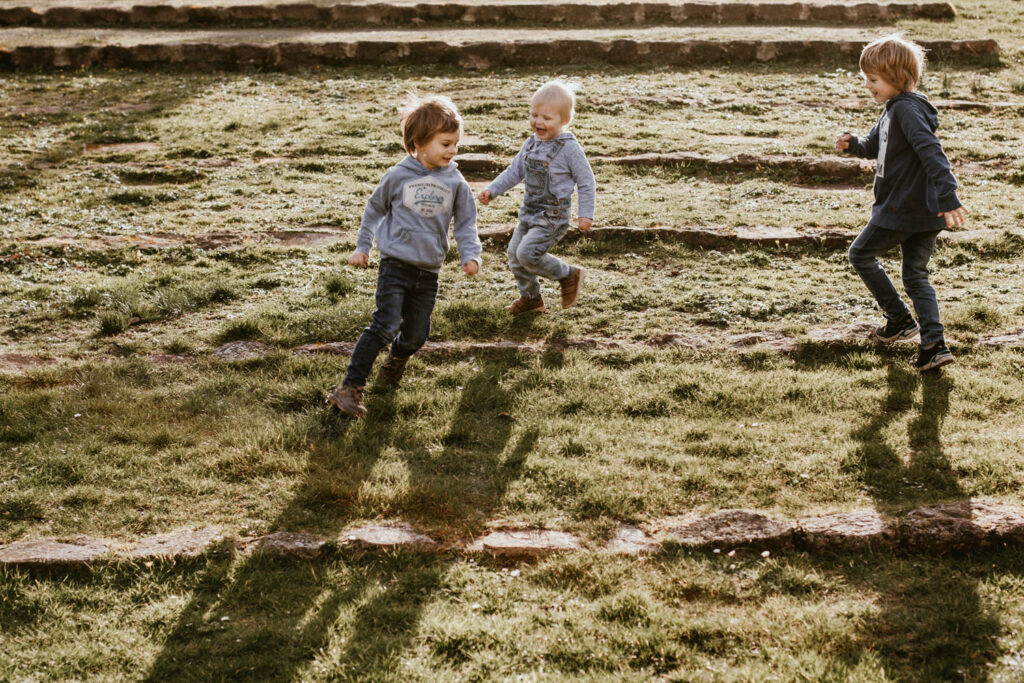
49,552
526,544
290,544
846,531
176,544
734,528
399,536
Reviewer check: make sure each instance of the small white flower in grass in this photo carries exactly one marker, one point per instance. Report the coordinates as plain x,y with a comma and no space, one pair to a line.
731,553
77,415
514,572
225,618
766,553
716,551
475,605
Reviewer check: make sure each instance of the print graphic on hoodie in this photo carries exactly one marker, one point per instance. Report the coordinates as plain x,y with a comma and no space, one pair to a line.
427,197
883,143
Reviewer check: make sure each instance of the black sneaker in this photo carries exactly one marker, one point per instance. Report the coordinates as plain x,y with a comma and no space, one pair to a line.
895,331
934,357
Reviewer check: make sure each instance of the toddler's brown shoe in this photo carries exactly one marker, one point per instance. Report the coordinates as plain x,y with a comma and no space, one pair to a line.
348,400
571,287
390,372
526,305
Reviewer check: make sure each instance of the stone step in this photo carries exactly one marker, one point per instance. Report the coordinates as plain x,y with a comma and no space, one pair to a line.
837,169
472,14
959,526
278,49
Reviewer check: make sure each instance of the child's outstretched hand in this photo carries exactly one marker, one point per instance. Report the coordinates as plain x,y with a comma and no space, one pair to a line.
471,267
484,197
359,258
956,217
843,142
585,224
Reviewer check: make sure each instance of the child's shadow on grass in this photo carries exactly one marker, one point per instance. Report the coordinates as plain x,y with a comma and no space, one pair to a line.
916,617
353,614
925,474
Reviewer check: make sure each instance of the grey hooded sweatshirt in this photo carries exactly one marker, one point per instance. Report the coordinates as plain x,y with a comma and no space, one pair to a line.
410,211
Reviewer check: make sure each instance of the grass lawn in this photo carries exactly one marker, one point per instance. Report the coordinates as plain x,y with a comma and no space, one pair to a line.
109,443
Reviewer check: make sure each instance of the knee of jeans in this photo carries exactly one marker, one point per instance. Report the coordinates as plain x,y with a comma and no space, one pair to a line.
382,331
511,254
913,282
855,256
530,254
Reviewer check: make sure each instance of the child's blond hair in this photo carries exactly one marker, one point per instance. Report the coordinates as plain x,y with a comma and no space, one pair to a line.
561,95
425,117
898,61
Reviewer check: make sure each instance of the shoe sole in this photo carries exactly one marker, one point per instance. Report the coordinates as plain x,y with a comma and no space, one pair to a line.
579,283
357,415
937,362
905,334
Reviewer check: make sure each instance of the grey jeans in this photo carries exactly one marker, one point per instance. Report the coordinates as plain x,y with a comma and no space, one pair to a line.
917,248
528,255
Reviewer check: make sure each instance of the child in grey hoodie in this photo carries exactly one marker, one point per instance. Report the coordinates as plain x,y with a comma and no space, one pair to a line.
552,163
915,195
410,212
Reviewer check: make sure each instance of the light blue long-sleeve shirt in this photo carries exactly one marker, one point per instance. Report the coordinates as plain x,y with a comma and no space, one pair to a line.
569,170
411,210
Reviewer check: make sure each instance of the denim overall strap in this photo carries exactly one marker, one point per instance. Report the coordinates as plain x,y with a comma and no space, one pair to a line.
539,198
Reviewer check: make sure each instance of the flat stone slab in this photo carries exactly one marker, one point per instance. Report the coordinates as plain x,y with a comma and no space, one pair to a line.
49,552
398,536
176,544
1004,341
290,544
962,525
242,350
843,334
631,540
752,341
680,340
526,544
734,528
846,531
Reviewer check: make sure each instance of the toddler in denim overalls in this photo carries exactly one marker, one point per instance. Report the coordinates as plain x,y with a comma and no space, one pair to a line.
552,163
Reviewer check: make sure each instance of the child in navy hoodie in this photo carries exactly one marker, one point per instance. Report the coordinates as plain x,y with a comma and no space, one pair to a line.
410,212
915,195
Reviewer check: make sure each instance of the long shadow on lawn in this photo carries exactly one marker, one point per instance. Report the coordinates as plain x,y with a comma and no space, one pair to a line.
935,626
355,616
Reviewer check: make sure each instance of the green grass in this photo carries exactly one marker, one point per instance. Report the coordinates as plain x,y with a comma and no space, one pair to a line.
112,444
676,617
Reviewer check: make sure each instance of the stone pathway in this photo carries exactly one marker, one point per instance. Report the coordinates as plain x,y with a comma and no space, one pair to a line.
591,14
958,526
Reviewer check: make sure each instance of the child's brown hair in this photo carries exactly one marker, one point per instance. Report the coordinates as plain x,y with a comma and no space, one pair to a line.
898,61
423,118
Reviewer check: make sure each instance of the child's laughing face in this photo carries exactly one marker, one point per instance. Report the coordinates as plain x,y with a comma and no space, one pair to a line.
546,121
439,151
881,90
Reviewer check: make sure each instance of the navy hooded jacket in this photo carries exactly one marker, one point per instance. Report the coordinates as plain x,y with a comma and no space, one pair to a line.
913,181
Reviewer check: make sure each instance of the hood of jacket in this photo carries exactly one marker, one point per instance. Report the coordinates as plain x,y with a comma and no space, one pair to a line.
918,101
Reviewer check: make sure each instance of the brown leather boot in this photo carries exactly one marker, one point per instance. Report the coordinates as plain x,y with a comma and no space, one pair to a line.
525,305
390,372
571,287
348,400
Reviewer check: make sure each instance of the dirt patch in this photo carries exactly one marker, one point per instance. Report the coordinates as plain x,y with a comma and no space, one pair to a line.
120,147
19,362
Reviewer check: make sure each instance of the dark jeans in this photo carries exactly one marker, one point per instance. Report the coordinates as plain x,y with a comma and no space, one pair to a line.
405,300
917,248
